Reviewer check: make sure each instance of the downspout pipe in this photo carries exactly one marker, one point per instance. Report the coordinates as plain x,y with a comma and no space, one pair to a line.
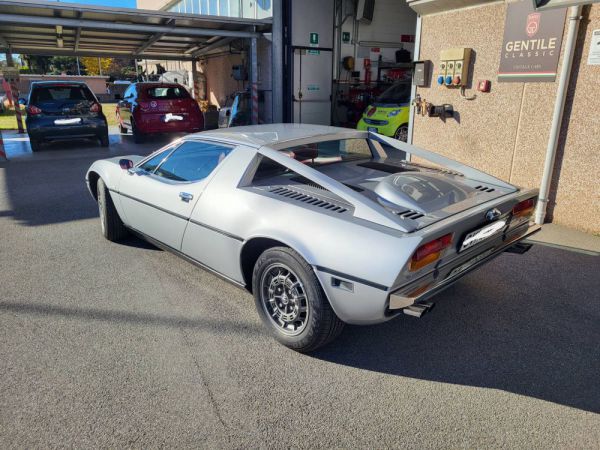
413,88
557,115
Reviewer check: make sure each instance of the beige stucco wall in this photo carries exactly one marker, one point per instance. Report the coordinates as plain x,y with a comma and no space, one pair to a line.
152,4
505,132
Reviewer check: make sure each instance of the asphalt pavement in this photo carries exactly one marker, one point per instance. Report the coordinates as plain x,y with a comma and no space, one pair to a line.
124,345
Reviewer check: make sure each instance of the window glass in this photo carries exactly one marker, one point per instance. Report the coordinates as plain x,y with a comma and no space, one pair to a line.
167,93
330,151
212,7
154,162
398,93
193,161
64,93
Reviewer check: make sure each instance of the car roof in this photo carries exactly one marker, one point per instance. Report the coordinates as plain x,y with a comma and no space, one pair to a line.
53,83
157,83
271,134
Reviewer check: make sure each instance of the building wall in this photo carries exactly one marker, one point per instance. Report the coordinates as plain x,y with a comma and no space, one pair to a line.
97,84
505,132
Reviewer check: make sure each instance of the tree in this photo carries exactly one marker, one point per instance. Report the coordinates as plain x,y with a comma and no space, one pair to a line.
91,65
66,64
37,63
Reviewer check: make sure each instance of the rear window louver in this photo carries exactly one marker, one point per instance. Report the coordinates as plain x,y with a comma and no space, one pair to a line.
484,188
308,199
409,214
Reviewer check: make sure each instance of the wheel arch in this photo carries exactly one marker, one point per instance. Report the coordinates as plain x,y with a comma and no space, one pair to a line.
254,247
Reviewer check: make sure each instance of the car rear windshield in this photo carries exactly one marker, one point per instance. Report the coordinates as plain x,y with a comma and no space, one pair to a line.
396,94
61,93
317,154
167,93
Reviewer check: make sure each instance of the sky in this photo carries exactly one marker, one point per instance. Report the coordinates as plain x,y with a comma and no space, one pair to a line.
114,3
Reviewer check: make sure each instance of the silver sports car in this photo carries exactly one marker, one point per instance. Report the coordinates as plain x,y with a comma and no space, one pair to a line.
323,225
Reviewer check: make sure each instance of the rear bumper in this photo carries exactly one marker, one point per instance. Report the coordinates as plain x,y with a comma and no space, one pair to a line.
424,288
155,124
48,131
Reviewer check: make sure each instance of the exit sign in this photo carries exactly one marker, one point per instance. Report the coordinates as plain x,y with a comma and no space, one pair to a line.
314,39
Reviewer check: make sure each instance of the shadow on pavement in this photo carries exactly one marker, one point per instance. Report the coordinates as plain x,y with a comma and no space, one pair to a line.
113,316
529,325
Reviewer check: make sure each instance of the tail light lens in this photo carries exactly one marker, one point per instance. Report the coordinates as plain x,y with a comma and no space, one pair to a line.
32,110
430,252
524,208
95,108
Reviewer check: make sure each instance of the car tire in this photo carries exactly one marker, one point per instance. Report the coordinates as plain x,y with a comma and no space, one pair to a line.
35,145
111,225
104,142
138,137
291,301
402,133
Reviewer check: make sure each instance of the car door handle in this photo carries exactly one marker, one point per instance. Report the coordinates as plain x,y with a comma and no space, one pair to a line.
185,196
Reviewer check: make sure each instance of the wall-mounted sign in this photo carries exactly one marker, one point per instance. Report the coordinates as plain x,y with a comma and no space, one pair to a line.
531,44
594,55
314,39
346,37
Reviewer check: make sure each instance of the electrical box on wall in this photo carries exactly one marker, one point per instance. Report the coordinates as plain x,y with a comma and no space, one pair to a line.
453,69
421,71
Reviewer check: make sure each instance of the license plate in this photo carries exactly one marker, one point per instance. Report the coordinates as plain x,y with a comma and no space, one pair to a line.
372,129
470,263
67,121
477,236
169,117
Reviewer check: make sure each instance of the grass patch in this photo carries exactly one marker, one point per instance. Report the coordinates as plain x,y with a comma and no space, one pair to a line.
8,120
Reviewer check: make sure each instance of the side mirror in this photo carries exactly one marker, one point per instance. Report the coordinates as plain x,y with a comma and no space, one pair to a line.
22,101
126,164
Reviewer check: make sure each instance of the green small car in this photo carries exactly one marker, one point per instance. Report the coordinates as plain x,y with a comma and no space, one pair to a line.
388,115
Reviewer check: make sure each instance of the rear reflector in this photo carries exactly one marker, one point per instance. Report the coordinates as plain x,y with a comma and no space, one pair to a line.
95,107
33,110
430,252
524,208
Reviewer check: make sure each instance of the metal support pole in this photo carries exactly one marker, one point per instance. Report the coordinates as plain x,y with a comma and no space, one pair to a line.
78,67
277,62
13,94
195,89
137,71
254,79
557,115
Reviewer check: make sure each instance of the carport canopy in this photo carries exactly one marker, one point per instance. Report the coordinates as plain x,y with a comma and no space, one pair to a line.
54,28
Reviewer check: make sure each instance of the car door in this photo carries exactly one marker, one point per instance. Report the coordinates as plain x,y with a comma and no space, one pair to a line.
158,196
125,105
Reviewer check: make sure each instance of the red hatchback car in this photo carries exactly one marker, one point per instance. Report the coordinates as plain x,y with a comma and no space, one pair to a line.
158,108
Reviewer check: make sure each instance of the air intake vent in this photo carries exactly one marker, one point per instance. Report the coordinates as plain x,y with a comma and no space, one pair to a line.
409,214
308,199
484,188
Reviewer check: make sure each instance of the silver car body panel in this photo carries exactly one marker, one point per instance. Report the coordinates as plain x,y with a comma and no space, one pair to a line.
341,219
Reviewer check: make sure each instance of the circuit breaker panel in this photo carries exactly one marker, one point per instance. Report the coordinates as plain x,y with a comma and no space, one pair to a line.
454,67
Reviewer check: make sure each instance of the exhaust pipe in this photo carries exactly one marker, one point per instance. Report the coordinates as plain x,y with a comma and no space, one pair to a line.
418,309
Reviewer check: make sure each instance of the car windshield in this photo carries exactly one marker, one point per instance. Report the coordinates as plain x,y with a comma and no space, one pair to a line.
167,92
396,94
61,93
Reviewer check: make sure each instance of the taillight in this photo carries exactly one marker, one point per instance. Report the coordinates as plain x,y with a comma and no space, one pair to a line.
95,108
32,110
371,111
524,208
430,252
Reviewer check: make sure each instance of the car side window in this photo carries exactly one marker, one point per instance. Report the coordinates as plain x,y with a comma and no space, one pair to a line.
193,161
151,164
